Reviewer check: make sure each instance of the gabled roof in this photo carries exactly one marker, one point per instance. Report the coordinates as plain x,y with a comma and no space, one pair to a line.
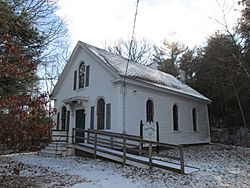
143,73
136,71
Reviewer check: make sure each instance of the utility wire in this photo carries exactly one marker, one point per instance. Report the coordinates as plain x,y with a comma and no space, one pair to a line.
130,45
123,88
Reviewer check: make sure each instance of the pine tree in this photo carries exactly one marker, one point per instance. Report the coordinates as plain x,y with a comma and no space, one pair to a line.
24,35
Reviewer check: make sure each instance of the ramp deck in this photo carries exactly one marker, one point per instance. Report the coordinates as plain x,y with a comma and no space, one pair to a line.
118,147
131,159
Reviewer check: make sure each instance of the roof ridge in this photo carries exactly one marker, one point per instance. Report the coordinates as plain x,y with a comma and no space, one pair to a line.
133,62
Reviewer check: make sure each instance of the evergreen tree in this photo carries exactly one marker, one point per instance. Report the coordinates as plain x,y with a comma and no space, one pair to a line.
27,28
167,57
219,78
188,62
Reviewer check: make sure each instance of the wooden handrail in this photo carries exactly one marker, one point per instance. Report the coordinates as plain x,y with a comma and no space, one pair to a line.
130,137
58,130
123,139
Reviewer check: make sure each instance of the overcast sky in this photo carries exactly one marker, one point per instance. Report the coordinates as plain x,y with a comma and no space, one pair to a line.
188,21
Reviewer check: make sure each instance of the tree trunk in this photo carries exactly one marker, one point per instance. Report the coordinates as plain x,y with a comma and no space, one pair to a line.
239,104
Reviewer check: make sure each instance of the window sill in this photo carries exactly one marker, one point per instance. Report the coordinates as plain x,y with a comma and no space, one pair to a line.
81,89
176,131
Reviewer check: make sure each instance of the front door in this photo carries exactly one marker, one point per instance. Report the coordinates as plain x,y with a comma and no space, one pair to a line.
80,123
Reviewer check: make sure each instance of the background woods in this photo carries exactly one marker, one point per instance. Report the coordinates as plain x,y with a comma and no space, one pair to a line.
33,39
219,70
28,34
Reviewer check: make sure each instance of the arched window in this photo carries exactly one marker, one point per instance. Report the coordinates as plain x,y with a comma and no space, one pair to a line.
82,73
150,111
100,113
194,115
175,118
63,118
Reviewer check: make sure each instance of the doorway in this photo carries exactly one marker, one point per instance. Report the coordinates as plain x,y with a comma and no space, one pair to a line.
80,124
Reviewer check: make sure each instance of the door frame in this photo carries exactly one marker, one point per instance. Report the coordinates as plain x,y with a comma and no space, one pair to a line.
82,110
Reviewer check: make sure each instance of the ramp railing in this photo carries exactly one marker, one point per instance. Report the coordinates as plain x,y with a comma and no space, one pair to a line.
129,144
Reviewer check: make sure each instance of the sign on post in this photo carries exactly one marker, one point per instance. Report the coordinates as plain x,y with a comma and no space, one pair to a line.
149,131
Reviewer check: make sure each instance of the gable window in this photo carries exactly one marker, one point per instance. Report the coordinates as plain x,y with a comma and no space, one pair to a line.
150,111
194,115
100,113
175,118
82,72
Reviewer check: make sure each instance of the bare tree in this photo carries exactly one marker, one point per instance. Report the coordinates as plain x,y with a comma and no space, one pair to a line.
234,33
141,51
240,45
39,17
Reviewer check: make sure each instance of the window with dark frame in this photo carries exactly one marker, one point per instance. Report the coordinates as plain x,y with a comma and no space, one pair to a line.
194,114
175,118
150,111
82,72
100,113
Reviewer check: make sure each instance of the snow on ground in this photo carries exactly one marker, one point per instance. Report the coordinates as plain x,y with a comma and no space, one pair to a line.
220,166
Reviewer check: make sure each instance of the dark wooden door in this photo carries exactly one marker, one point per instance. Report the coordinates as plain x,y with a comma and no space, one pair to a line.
80,123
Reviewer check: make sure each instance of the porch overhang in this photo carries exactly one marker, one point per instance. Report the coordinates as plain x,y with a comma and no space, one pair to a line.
76,100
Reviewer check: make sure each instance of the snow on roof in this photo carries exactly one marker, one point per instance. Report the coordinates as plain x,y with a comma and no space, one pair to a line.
143,73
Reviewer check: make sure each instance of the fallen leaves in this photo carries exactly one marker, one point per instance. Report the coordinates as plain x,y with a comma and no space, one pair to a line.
14,174
220,166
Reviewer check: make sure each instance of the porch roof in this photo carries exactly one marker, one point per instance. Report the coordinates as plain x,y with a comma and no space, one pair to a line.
75,99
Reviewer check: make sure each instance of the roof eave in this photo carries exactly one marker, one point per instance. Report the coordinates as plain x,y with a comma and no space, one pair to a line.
80,44
110,69
64,72
165,90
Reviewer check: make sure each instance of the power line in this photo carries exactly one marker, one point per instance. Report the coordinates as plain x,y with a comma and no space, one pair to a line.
131,43
123,88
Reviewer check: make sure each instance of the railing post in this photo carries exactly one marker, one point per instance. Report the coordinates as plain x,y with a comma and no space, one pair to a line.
141,129
73,136
67,139
157,137
140,148
150,154
124,150
111,142
182,159
88,137
56,147
83,135
95,144
141,135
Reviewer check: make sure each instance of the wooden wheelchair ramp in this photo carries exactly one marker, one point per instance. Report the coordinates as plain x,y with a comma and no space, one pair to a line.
130,150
